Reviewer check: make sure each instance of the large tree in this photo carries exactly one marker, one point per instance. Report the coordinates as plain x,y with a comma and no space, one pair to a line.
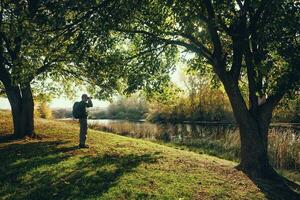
39,42
32,43
252,40
16,33
35,38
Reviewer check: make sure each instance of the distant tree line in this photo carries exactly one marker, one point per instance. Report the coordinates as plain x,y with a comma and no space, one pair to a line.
130,108
174,106
61,113
204,104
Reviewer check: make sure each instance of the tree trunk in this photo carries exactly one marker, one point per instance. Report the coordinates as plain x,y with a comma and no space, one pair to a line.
254,149
22,107
254,127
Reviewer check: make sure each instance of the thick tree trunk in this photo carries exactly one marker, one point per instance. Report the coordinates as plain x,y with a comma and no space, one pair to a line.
254,149
254,127
22,107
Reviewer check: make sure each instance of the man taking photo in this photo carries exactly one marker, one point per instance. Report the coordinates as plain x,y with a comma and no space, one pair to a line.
80,112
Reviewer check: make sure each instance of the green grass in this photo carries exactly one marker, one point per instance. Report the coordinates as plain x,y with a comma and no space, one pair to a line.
283,148
216,148
114,167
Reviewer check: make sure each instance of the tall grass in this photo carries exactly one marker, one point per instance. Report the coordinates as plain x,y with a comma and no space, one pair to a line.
146,131
284,149
284,144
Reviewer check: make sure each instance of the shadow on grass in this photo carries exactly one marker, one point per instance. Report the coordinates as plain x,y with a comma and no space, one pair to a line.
284,190
278,190
9,137
55,170
4,138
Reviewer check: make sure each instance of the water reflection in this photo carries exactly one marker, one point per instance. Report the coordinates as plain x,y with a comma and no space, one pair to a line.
165,131
179,132
217,139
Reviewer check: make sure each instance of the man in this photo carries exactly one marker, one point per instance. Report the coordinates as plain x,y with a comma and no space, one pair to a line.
85,102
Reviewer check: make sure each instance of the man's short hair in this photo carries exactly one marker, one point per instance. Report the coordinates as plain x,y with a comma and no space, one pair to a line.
84,96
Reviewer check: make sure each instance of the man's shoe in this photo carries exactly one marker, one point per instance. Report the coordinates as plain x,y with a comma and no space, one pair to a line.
83,146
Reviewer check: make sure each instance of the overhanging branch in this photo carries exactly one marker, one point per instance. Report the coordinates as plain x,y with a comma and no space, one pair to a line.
204,50
191,47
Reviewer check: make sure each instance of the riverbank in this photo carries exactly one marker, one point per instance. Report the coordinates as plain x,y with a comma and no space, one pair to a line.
216,139
114,167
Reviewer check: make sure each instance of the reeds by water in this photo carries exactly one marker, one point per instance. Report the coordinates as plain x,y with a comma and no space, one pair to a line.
284,144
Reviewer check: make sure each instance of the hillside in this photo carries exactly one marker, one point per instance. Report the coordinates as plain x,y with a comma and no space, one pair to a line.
114,167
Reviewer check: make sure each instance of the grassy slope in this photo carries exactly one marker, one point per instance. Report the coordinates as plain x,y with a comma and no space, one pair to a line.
114,167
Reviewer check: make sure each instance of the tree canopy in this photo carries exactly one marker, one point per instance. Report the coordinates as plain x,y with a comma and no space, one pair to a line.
252,43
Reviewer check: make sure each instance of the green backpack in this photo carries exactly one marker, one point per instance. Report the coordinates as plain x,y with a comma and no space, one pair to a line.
76,110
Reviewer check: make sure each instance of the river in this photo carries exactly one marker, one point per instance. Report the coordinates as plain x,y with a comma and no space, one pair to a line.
179,131
214,138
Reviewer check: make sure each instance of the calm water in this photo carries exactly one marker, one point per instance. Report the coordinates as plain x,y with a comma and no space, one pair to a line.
218,139
180,131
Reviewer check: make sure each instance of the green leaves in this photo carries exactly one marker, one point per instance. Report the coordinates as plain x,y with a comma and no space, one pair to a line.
124,46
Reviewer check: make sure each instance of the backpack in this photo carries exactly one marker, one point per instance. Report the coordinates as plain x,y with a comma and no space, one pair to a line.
76,110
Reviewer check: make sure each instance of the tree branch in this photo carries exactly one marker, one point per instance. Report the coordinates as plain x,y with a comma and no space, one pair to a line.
238,44
190,47
71,28
282,88
213,31
206,53
144,52
73,74
237,59
4,76
251,79
218,59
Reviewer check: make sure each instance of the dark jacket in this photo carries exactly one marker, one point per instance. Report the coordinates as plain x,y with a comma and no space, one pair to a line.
82,107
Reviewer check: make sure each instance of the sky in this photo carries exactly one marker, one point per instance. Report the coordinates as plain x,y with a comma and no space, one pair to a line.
67,103
58,103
